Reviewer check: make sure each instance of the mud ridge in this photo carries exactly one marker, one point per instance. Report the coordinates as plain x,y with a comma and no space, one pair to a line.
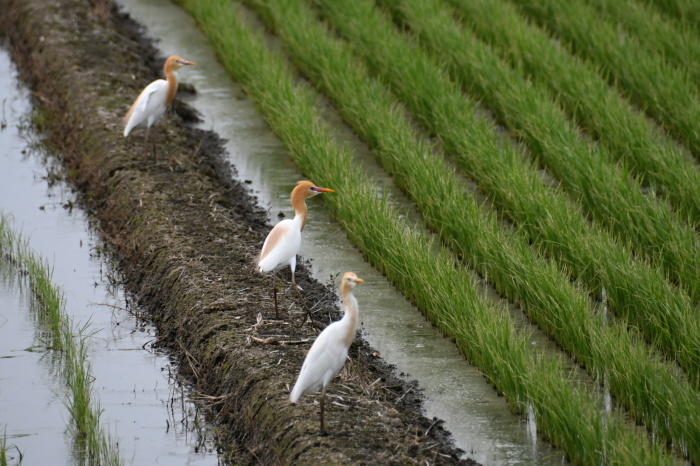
187,235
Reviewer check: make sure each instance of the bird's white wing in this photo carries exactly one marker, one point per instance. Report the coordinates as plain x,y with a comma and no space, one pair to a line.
281,246
148,106
324,360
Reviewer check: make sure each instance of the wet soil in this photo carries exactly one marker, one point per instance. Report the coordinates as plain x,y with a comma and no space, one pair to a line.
187,234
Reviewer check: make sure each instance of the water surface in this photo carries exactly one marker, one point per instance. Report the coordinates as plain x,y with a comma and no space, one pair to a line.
142,410
456,392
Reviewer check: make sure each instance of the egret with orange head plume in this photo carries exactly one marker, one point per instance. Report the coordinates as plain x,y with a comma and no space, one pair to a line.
284,241
150,105
330,350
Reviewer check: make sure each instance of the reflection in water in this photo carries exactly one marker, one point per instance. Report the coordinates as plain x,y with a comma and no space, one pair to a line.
456,392
31,412
140,408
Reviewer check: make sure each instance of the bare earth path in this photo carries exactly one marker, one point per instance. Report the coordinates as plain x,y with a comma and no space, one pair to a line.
187,235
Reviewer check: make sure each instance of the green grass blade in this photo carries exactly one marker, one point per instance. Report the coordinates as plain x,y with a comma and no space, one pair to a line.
665,93
655,159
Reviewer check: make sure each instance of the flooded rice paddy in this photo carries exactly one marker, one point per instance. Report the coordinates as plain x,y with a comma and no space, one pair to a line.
144,409
456,392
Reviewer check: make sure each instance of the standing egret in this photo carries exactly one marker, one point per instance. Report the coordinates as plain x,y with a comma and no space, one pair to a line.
150,105
328,353
284,241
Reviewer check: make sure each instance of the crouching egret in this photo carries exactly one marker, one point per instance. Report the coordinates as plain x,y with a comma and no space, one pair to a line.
284,241
328,353
150,105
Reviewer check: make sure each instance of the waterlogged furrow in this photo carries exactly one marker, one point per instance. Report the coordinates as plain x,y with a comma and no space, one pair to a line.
675,42
69,341
636,376
664,92
585,170
651,156
425,272
665,316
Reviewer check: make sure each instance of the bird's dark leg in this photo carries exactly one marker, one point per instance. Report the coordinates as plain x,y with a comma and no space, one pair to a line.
155,154
274,287
323,411
308,311
145,142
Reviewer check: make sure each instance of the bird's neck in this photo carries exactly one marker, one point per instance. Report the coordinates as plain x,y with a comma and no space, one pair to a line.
351,314
171,77
300,210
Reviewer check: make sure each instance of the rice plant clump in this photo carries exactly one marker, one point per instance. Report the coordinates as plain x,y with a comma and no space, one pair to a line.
67,340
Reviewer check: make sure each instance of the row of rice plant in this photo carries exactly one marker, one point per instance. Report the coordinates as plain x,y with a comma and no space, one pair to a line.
613,198
654,158
685,11
670,39
422,269
663,91
664,315
68,341
546,294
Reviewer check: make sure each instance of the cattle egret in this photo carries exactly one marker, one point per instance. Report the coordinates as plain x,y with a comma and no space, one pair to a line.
150,105
284,241
328,353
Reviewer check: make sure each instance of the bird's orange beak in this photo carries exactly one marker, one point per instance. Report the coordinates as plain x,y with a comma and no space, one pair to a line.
359,280
322,190
189,63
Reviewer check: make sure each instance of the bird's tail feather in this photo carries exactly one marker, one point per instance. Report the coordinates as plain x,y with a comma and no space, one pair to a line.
296,393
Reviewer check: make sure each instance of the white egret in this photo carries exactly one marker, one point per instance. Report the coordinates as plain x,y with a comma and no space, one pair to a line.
330,350
284,241
150,105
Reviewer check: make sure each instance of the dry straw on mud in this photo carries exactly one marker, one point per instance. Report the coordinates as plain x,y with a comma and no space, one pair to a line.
180,223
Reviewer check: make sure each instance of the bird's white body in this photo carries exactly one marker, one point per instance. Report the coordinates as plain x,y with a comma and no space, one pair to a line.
149,106
151,103
282,245
330,350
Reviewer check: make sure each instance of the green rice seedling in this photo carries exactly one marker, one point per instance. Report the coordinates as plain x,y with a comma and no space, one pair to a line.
665,315
655,159
673,41
5,452
94,445
685,11
610,195
667,94
447,293
3,449
543,291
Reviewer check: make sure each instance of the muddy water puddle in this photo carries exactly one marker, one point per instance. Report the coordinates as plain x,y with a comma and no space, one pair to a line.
143,409
456,392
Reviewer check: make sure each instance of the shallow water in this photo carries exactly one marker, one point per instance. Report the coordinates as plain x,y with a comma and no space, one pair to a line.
130,379
456,392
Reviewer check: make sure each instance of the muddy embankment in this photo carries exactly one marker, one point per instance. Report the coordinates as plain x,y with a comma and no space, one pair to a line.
187,235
